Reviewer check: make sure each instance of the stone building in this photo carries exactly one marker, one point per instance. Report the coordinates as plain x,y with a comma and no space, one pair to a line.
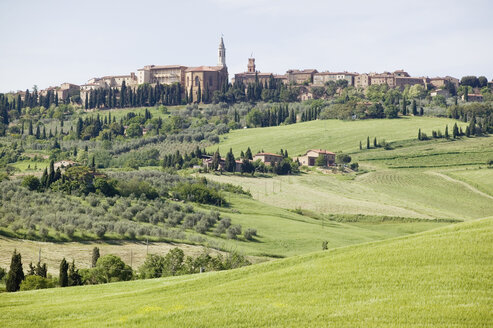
296,76
322,78
207,79
382,78
310,158
252,75
268,158
362,81
164,74
439,82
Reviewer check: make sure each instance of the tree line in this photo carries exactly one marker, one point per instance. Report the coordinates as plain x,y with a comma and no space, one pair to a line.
111,268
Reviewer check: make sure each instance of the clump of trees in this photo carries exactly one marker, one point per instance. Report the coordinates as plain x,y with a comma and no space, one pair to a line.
175,263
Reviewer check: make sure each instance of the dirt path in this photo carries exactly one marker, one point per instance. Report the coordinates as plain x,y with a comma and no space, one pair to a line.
468,186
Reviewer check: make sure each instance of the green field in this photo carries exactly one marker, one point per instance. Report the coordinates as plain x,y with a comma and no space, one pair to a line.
284,233
481,179
334,135
407,193
441,278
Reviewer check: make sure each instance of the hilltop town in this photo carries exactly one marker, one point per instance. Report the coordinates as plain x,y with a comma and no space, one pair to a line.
181,84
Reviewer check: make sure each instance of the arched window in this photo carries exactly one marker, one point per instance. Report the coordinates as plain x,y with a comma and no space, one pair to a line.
197,81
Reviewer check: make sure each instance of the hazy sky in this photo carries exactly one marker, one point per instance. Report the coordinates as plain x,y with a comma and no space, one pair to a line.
50,42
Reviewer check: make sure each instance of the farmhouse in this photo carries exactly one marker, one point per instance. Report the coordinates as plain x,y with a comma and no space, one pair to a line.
309,159
207,162
63,164
268,158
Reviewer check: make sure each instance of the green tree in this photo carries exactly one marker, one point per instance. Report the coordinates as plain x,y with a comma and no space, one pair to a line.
230,163
74,278
455,131
321,161
16,274
248,154
63,276
31,182
446,132
343,159
216,160
110,268
134,130
173,262
95,256
36,282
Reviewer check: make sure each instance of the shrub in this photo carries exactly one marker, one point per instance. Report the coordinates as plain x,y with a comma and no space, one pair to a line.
233,231
199,193
110,268
36,282
250,233
31,182
354,166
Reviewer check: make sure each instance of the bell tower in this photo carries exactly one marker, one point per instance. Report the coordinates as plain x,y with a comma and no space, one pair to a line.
221,54
251,65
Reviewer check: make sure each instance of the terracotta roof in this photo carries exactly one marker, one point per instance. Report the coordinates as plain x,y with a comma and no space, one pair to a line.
253,74
204,69
322,151
152,67
304,71
336,73
271,154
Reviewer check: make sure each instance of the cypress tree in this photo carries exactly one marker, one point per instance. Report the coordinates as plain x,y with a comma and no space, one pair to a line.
95,256
414,108
230,161
199,94
446,132
30,128
367,142
421,111
38,132
419,134
375,144
360,146
16,274
63,277
455,131
74,278
248,154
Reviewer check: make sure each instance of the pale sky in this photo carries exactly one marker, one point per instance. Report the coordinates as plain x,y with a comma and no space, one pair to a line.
50,42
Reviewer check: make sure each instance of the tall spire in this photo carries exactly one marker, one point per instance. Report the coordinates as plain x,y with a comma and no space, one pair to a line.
221,54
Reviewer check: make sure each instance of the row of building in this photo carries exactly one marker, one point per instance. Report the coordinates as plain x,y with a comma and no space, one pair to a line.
212,78
270,159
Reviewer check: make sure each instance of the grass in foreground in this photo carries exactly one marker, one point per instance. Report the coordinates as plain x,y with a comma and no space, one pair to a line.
440,278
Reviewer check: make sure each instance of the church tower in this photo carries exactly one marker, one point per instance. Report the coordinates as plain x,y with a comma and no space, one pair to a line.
222,54
251,65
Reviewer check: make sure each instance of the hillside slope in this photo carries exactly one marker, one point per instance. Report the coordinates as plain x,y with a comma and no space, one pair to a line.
440,278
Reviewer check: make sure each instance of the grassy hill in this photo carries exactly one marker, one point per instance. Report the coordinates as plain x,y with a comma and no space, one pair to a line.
412,179
281,233
441,278
334,135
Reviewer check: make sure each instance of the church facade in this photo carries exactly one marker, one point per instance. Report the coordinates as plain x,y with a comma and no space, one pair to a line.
202,81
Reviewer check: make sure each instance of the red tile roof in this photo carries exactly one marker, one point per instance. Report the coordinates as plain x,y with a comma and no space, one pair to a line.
205,69
322,151
271,154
